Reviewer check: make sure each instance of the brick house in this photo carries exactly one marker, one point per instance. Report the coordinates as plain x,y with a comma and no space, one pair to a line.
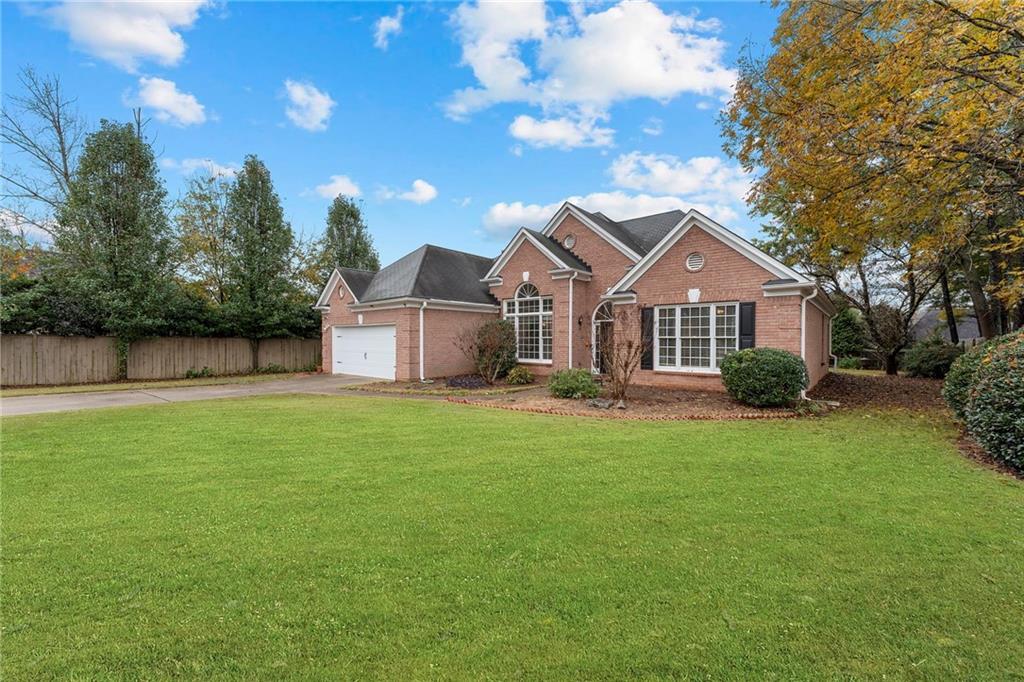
688,287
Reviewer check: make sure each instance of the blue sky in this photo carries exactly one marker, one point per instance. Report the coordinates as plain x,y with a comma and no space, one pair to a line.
454,123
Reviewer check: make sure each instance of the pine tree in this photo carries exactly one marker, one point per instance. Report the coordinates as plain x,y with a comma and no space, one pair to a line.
347,242
258,246
113,236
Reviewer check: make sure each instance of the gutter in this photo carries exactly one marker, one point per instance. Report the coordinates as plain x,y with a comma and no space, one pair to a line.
423,378
803,332
571,280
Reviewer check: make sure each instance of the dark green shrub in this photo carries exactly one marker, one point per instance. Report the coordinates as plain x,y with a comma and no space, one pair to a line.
848,363
930,358
995,409
960,379
272,368
573,383
519,376
849,334
192,373
764,377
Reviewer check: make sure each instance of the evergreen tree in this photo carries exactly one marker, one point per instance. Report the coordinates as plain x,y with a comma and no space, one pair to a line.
347,242
114,240
258,244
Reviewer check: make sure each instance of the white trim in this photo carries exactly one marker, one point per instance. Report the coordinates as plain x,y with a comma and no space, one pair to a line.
534,362
621,298
321,302
571,280
541,315
435,304
693,217
712,338
521,236
803,335
594,369
566,208
567,273
422,307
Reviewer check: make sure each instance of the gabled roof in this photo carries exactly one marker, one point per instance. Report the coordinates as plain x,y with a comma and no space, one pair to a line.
429,272
634,237
648,230
560,257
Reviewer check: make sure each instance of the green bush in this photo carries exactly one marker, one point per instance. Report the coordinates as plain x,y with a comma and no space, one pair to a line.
272,368
995,409
960,379
848,363
573,383
930,358
192,373
519,376
764,377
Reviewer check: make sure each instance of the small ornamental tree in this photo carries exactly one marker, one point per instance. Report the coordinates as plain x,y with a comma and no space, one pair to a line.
491,348
622,351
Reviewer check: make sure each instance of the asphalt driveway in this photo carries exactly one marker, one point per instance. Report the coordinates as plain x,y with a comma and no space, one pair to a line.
59,402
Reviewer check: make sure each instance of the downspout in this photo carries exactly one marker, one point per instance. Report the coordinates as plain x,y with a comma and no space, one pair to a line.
423,378
803,333
834,361
574,275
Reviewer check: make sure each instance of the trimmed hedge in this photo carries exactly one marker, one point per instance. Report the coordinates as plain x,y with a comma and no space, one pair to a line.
960,379
518,376
573,383
995,410
764,377
930,358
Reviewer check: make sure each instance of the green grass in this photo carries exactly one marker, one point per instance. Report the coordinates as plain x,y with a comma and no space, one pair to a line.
353,537
143,385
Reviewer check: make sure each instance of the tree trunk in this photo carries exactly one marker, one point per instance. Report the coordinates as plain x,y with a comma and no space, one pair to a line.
947,304
891,363
978,298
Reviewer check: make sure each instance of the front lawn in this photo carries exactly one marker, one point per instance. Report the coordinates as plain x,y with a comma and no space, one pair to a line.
349,537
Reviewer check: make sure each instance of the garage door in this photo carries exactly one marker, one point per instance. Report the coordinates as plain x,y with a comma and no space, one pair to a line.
367,351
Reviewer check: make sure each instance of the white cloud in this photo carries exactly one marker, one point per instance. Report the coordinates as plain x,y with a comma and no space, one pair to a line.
564,133
386,27
170,104
207,166
421,192
463,202
127,33
702,178
309,108
652,127
17,224
585,62
338,185
503,218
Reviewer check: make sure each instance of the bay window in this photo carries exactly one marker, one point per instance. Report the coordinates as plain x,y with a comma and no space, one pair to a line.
695,337
531,314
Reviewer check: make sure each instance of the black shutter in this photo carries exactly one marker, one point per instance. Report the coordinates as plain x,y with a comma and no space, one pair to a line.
746,325
647,337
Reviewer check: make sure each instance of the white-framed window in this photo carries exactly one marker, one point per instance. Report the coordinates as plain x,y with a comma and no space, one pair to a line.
531,314
695,337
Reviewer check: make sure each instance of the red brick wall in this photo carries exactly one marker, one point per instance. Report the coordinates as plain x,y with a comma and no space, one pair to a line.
816,340
441,330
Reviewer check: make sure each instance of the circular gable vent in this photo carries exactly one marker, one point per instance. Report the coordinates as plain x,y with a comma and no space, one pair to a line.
569,241
694,262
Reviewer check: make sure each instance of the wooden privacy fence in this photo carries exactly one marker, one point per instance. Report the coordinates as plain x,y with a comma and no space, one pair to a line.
31,360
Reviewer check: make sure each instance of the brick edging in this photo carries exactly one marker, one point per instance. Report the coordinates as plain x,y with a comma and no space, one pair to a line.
713,416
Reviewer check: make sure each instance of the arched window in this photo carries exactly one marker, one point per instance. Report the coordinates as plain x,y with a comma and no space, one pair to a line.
602,335
531,314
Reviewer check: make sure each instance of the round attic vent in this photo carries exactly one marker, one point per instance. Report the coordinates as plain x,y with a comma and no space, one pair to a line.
694,262
569,241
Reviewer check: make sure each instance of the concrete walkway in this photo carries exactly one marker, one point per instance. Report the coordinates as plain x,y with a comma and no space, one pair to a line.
60,402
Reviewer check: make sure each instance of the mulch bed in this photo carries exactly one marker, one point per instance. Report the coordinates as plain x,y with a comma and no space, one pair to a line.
645,403
858,390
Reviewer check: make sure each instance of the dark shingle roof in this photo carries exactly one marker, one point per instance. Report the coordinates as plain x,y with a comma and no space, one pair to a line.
432,272
562,253
357,280
614,229
639,234
785,280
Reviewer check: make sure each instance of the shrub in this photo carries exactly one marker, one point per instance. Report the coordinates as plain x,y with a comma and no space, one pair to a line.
995,410
960,378
849,333
492,348
272,368
192,373
848,363
930,358
764,377
573,383
519,376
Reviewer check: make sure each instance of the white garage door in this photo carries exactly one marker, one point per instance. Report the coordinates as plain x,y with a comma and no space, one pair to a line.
365,351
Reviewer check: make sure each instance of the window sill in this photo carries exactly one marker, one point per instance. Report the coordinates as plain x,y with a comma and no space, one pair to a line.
533,362
698,371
